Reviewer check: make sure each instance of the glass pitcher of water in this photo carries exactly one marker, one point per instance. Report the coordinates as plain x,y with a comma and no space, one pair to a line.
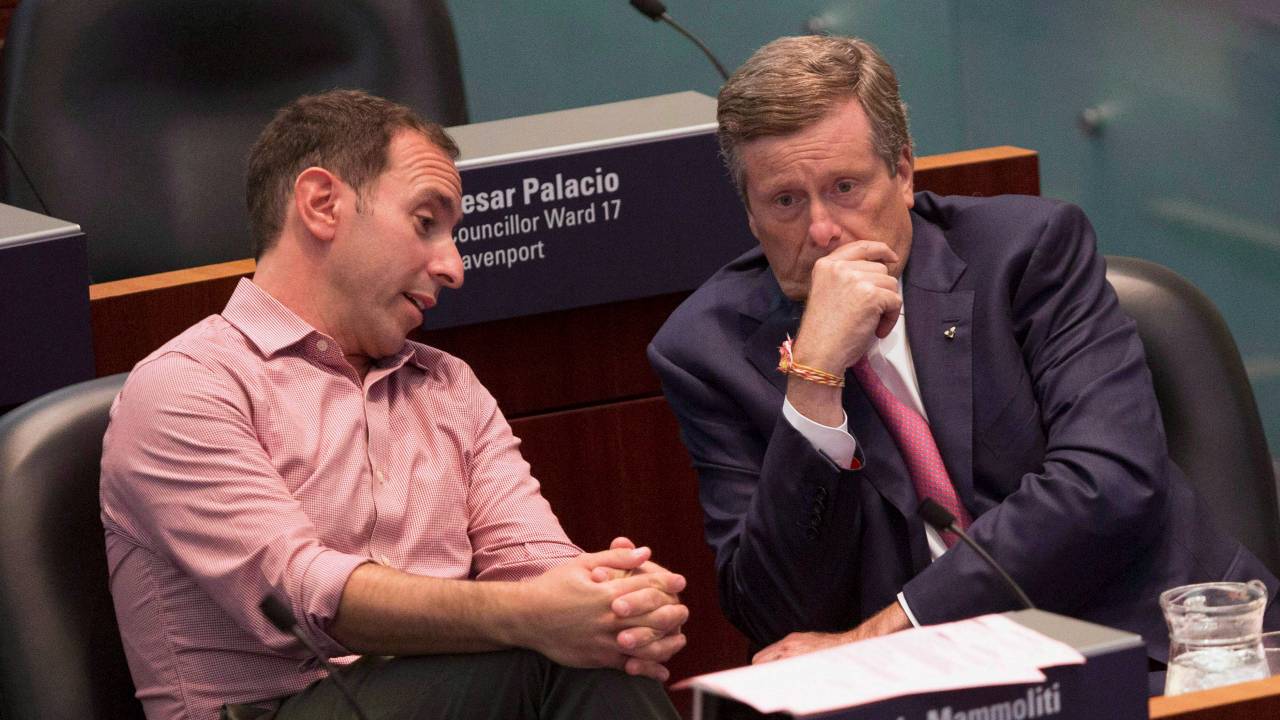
1214,635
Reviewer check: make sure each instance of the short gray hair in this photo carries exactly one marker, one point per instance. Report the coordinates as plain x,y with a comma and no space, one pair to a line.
793,82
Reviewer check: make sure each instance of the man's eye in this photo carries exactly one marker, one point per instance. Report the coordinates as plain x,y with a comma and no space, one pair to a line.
784,201
844,186
426,221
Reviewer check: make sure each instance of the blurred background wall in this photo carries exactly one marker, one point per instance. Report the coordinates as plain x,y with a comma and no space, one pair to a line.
1161,118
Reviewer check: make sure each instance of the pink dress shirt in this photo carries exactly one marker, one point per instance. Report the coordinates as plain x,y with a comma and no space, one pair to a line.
245,457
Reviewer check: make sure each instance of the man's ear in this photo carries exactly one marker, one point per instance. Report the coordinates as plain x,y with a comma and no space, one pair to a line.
315,200
906,175
746,205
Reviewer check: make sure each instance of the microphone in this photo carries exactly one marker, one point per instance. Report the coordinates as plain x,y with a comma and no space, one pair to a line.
940,519
655,11
283,619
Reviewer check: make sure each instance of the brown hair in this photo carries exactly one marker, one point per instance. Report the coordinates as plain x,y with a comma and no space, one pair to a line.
793,82
344,131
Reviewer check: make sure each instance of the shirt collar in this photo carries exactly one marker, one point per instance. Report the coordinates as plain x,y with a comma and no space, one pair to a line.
418,355
272,327
267,323
411,353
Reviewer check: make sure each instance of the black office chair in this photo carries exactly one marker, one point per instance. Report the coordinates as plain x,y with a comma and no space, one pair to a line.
134,117
60,651
1210,416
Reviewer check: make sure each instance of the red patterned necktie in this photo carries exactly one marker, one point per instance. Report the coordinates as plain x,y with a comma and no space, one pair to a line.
915,441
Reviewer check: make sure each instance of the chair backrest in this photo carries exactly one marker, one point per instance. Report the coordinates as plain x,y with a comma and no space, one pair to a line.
1210,415
60,650
134,117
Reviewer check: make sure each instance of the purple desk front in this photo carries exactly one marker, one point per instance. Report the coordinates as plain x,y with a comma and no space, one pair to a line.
45,340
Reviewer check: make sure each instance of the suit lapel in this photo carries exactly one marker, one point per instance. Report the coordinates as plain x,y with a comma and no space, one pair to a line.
940,329
778,317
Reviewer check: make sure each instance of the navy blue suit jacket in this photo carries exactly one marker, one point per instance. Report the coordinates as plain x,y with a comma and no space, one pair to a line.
1041,404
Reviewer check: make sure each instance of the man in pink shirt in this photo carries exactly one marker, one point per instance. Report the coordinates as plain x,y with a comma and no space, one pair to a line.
297,445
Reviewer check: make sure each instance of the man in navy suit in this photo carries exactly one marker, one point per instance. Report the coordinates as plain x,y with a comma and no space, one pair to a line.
989,321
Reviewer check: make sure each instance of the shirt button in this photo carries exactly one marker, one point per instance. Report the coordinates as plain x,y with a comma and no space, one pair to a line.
383,559
322,345
382,479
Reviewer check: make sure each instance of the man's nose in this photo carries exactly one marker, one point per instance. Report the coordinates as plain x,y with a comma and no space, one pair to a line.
445,266
823,230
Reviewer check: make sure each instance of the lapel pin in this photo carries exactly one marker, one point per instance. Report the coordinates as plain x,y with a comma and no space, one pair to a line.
950,333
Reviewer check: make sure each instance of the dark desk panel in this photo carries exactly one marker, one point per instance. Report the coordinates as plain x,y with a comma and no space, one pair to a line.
44,310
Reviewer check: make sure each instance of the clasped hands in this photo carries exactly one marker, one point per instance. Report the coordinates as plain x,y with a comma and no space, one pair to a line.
614,608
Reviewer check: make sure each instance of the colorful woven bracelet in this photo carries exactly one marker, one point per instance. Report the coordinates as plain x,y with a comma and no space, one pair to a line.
788,366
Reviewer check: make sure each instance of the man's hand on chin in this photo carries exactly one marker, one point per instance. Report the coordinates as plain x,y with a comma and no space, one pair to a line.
891,619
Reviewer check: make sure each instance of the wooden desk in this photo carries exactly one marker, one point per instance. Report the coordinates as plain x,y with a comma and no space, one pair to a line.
1246,701
579,392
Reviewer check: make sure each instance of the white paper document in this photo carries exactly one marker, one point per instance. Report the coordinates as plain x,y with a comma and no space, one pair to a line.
984,651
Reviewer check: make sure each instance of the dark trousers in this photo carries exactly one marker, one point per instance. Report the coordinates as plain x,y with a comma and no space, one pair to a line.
498,685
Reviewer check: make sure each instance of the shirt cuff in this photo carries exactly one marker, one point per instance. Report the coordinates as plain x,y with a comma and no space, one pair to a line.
902,600
834,442
320,593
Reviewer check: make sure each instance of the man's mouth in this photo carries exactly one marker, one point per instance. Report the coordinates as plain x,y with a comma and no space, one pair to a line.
422,303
